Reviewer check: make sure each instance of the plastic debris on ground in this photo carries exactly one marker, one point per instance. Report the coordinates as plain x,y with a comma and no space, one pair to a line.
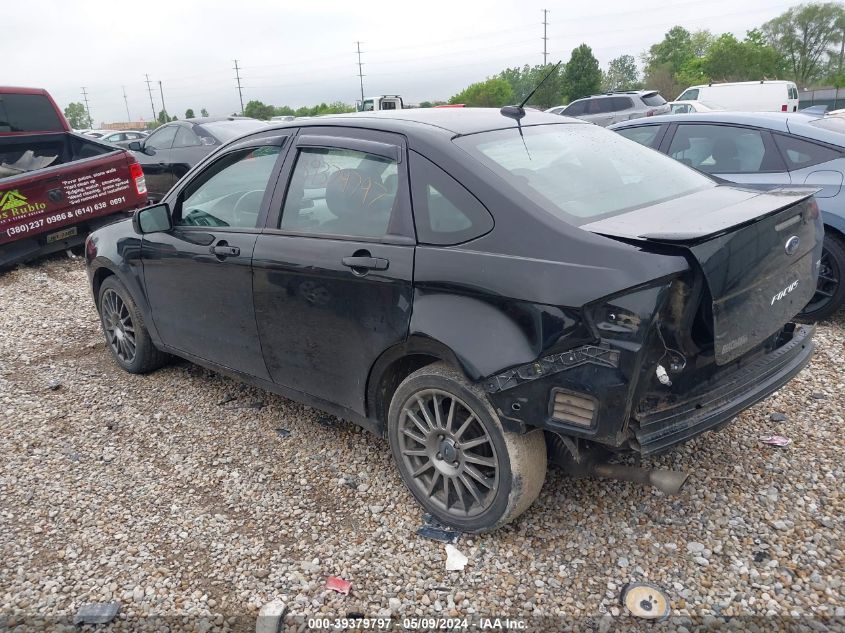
282,432
455,561
776,440
436,531
645,600
96,613
338,584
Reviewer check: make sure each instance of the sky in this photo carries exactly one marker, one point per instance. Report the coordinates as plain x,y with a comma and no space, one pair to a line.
305,53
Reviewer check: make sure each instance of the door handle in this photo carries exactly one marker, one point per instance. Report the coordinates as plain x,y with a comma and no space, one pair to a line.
222,250
363,263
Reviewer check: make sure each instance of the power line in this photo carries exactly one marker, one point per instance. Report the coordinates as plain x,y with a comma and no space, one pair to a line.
360,73
126,101
87,109
150,90
240,90
545,36
163,108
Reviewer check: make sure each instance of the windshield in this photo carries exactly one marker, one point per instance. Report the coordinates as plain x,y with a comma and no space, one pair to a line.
227,130
582,172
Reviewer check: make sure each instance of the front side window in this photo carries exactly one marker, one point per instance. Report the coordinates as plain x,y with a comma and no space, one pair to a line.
681,108
689,95
162,138
230,191
723,149
643,134
444,211
579,172
340,192
576,109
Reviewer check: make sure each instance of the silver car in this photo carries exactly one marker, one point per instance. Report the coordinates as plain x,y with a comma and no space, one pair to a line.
615,107
767,149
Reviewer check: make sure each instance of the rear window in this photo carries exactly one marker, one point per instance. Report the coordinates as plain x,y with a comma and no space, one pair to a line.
654,100
28,113
580,173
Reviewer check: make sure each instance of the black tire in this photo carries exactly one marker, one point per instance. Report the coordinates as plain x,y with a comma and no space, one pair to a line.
123,326
439,418
830,291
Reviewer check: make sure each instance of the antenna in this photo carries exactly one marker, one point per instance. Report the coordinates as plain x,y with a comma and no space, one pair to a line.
517,112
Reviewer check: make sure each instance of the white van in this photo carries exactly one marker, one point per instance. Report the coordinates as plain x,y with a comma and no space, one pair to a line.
749,96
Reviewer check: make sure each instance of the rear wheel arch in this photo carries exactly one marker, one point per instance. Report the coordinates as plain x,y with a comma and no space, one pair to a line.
100,275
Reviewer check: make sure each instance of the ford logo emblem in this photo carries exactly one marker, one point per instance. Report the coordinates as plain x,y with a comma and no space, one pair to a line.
792,245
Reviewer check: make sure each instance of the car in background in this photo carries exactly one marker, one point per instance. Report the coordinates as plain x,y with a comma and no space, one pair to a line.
172,149
556,109
765,149
472,287
688,107
283,117
613,107
122,138
746,96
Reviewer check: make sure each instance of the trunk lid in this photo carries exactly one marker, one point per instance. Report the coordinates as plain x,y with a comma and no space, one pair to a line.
758,252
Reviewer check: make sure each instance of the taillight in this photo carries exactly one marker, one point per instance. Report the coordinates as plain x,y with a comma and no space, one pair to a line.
136,173
649,113
784,108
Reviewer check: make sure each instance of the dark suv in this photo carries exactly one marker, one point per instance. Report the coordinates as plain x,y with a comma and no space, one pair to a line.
477,288
614,107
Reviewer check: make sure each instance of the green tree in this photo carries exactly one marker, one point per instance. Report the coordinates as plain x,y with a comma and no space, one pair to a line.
77,116
189,113
805,35
582,76
621,74
426,104
523,80
284,111
492,93
162,117
662,79
203,112
258,110
731,60
669,63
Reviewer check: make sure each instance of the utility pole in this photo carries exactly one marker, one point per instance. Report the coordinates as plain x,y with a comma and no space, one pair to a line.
87,109
240,90
152,105
360,73
545,37
163,108
126,101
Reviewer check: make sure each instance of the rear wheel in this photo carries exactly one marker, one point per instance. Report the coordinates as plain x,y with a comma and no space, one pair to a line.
126,336
454,455
830,289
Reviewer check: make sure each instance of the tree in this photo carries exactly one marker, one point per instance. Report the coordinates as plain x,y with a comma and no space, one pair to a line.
728,59
805,35
492,93
621,74
189,113
258,110
284,111
77,116
523,80
426,104
670,61
582,76
662,79
203,112
162,117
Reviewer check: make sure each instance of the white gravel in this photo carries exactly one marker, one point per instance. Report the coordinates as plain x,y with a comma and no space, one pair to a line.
144,490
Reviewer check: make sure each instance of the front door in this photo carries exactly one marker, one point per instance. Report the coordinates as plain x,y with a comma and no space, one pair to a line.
198,276
155,161
334,269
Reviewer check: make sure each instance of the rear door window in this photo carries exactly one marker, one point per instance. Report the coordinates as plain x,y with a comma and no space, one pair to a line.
642,134
799,153
723,149
444,211
621,103
576,109
186,138
600,106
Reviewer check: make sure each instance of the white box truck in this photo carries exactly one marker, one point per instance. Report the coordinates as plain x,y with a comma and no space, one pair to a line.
749,96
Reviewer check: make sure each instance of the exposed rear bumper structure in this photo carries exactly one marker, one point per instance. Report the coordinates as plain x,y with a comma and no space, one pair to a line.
720,401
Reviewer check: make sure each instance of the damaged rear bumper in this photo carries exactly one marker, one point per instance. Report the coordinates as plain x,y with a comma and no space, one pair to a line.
718,402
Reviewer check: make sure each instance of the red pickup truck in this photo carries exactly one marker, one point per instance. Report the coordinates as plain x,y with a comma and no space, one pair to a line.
56,186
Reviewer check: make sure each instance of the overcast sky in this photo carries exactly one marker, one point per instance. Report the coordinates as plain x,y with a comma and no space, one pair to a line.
304,53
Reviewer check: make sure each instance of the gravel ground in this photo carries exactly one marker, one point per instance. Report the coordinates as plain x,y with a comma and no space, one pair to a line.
151,491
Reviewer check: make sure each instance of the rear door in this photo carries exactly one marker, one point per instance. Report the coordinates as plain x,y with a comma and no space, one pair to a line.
333,269
813,164
187,151
197,276
736,153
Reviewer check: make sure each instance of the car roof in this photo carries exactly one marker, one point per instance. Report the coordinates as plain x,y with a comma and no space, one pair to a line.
457,121
770,120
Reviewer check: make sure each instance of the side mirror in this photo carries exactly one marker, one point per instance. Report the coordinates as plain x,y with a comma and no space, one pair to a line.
153,219
135,146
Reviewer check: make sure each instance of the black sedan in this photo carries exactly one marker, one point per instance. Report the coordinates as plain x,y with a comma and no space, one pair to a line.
476,286
171,150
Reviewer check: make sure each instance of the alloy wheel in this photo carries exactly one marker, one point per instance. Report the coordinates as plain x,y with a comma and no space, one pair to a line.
448,453
117,321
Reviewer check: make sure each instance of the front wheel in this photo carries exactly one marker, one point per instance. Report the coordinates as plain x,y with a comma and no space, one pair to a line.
126,336
454,455
830,289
